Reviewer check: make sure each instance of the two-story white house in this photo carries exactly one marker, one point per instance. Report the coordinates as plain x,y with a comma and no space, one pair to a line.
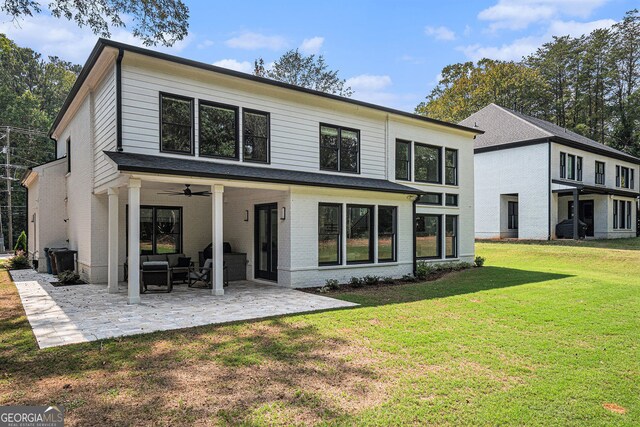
530,174
160,155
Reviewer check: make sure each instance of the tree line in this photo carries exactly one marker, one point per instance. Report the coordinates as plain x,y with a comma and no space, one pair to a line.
587,84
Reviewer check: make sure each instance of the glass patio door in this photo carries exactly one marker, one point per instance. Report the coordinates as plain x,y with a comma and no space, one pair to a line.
266,242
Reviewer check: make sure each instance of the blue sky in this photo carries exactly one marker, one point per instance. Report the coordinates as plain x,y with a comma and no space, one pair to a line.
390,52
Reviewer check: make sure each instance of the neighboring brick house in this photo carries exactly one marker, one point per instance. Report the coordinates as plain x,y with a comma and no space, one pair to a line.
310,186
529,174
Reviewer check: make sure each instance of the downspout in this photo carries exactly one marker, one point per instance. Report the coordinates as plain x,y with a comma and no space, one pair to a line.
119,99
413,227
550,231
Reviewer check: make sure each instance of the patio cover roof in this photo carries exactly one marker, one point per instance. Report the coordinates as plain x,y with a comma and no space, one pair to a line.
134,162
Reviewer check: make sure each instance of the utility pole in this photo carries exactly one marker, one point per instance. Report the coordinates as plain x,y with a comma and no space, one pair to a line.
9,179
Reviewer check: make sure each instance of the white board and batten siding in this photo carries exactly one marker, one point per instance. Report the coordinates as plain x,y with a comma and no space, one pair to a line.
294,121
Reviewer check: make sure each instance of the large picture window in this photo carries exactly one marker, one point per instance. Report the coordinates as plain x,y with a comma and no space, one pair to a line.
403,160
176,124
451,167
160,230
218,128
427,163
451,236
622,215
600,173
339,149
329,234
428,236
359,234
387,233
255,138
624,177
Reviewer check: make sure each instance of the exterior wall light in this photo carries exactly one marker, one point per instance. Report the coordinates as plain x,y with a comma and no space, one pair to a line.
284,213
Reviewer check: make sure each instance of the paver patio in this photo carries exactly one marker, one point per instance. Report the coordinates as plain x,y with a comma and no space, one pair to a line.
82,313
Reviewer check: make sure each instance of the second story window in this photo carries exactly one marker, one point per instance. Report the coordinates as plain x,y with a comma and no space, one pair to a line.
218,127
600,178
579,168
428,163
255,136
339,149
176,124
403,160
571,166
69,155
451,166
563,165
624,177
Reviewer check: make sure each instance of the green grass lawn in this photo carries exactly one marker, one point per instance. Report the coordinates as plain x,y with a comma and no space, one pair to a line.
545,334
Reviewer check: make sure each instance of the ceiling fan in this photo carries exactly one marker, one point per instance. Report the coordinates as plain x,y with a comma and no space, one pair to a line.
186,192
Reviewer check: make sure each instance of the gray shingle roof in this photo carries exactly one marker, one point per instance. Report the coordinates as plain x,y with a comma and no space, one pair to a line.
134,162
505,126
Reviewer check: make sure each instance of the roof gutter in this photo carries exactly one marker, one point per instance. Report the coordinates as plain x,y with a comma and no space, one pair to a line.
119,99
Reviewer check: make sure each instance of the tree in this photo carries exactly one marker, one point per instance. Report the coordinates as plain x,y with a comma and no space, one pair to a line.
304,71
465,88
154,21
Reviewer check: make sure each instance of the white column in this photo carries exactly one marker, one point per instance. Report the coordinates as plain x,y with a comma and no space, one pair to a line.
112,239
134,241
217,239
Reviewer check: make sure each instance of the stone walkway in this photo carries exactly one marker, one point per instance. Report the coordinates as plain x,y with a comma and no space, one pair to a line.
82,313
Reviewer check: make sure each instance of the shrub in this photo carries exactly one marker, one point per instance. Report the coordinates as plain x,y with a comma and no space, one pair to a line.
356,282
331,284
68,277
21,244
424,270
479,261
370,280
18,262
408,278
388,280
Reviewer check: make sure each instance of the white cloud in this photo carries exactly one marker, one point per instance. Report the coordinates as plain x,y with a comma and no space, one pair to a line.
233,64
519,14
205,44
440,33
312,46
412,59
527,45
59,37
251,41
368,82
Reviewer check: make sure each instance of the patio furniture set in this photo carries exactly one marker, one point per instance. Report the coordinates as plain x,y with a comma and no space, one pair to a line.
163,271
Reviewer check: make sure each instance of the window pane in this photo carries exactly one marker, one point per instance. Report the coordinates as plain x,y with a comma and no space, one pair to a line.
451,170
349,147
176,125
451,239
451,200
571,167
256,136
167,231
329,232
430,199
428,232
402,160
218,133
427,163
146,231
359,241
386,233
328,148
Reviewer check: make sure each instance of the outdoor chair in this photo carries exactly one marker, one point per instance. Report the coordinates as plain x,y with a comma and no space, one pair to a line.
180,272
155,273
204,274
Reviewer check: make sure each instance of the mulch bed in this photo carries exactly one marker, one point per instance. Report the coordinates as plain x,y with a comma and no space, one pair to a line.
347,287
